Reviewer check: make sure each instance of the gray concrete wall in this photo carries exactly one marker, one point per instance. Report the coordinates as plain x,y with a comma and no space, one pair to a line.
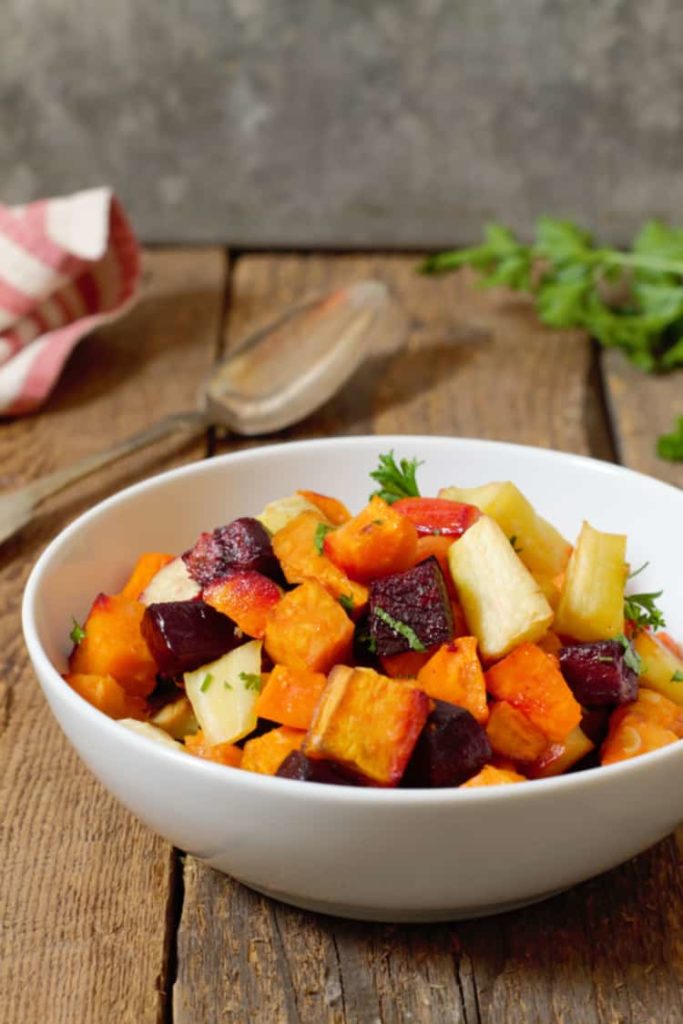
347,122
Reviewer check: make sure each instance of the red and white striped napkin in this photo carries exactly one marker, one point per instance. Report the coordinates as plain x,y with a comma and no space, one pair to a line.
67,265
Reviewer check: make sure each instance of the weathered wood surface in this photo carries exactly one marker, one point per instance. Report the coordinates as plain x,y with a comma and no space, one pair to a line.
84,888
609,951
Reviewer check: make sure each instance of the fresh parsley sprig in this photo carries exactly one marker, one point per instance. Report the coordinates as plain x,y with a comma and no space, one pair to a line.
631,656
397,480
252,681
629,300
642,611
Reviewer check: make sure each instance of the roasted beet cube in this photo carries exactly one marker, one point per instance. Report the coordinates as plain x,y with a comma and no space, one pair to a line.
410,610
242,544
183,635
451,748
597,673
297,766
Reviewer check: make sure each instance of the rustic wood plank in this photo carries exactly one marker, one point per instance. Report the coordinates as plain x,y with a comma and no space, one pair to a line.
84,888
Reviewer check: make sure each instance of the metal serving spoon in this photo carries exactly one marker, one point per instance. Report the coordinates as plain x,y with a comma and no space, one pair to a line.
277,376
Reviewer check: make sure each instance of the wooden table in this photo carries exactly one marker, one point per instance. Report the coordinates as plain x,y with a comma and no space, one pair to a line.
101,921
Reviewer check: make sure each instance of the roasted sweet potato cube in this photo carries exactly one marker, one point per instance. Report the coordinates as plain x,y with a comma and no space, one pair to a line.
451,748
335,511
221,753
266,753
298,548
410,610
405,666
290,696
560,757
651,722
308,629
146,568
491,776
531,680
376,542
114,646
368,724
454,674
511,734
246,597
108,696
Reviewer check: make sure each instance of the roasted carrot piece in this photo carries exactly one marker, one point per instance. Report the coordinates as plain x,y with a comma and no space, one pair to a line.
308,629
367,723
114,646
246,597
511,734
531,681
146,568
105,694
405,665
290,696
221,753
266,753
297,547
376,542
652,721
335,511
454,674
490,776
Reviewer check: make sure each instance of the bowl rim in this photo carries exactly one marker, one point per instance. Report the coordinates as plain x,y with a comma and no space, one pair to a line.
384,797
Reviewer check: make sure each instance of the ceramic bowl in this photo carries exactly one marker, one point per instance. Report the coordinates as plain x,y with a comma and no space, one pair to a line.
401,855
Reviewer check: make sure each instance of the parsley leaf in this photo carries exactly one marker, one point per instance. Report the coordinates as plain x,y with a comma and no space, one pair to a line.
252,681
206,682
396,480
677,677
631,656
670,446
642,610
346,601
321,531
77,633
403,628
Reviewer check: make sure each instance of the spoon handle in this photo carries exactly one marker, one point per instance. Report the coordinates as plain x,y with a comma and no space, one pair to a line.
17,507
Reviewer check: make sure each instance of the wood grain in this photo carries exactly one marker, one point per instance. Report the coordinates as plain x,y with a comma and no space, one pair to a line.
84,890
607,952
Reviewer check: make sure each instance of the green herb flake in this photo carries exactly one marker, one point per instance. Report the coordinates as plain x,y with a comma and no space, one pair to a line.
321,531
677,677
206,682
227,685
346,601
605,659
252,681
77,634
402,628
642,610
397,480
631,656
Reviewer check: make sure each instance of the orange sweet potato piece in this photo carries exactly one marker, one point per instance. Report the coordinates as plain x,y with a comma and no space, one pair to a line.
114,646
290,696
668,641
550,643
405,665
367,723
511,734
105,694
308,629
650,722
335,511
146,568
296,549
559,757
221,753
376,542
454,674
490,776
246,597
531,680
266,753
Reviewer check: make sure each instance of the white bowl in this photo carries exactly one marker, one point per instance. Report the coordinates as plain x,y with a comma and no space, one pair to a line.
402,855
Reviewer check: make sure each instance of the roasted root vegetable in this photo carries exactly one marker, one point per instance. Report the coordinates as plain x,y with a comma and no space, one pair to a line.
113,645
334,511
651,722
410,611
437,516
531,681
404,666
146,568
376,542
454,674
176,718
246,597
266,753
278,513
172,582
108,696
150,732
662,668
503,604
220,753
368,724
224,692
591,605
182,635
492,776
560,757
600,673
451,748
290,695
297,766
308,629
242,544
512,734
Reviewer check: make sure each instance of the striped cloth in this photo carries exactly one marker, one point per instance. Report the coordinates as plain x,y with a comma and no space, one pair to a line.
67,265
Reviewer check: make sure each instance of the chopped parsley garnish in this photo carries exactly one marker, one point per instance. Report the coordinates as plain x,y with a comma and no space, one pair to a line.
206,682
631,656
642,610
677,677
395,480
400,627
605,659
77,633
227,685
252,681
346,601
321,531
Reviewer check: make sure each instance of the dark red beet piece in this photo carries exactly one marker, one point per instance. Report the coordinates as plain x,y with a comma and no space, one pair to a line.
297,766
597,673
242,544
182,635
451,748
417,599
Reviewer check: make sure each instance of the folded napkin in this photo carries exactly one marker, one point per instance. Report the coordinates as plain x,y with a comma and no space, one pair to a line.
67,265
